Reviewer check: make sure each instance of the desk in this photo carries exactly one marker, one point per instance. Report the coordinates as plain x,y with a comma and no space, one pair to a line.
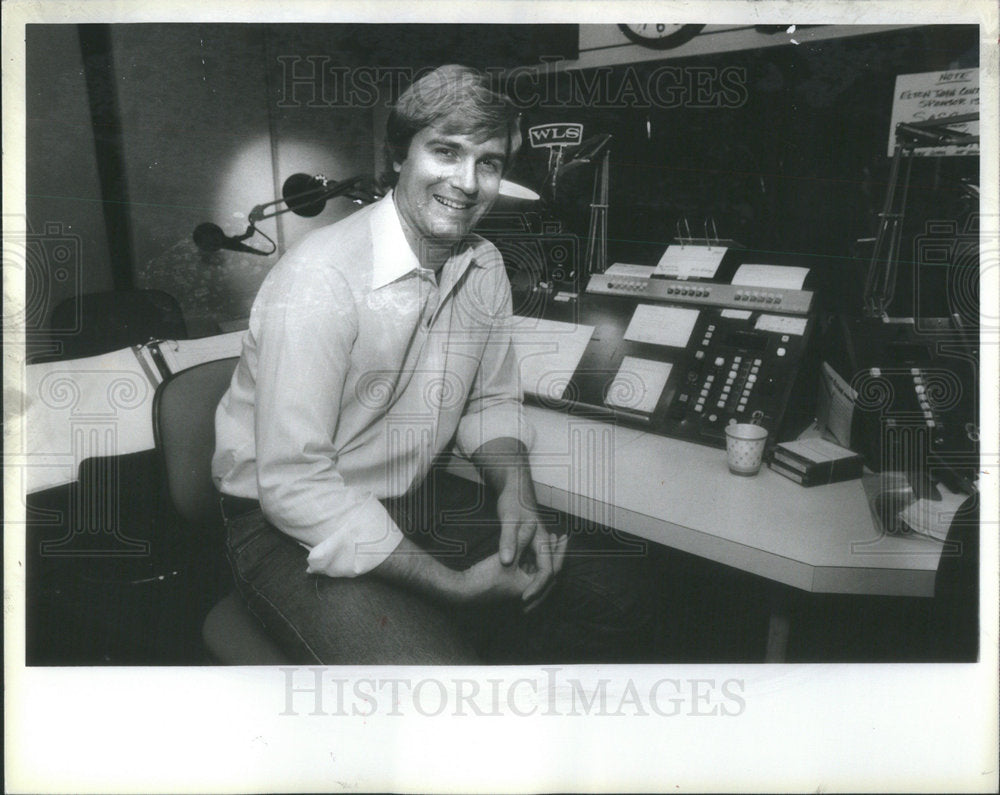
821,539
679,494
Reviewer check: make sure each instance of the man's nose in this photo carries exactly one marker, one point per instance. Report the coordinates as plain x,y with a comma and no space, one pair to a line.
464,177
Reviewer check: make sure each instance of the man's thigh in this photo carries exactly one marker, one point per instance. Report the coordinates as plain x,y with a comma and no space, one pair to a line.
315,618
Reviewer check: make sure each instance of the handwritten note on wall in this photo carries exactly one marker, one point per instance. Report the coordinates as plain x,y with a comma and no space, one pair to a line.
935,95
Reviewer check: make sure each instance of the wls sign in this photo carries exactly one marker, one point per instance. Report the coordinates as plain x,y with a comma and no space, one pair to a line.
568,134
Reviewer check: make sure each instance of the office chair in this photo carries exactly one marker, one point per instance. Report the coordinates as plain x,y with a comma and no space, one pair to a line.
184,426
96,323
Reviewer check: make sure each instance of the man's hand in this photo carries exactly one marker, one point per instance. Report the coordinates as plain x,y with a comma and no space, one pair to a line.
525,541
490,580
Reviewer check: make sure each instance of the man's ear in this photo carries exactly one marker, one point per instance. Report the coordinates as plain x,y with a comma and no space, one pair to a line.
397,167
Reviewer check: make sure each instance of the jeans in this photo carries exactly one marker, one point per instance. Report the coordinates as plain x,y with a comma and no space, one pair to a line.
602,607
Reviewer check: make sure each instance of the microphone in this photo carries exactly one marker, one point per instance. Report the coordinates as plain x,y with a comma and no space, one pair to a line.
210,237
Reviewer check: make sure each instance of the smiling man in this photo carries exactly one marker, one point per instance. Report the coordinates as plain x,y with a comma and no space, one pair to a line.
375,345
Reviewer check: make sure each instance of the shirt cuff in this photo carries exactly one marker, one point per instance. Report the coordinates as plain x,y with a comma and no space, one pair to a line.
366,538
496,422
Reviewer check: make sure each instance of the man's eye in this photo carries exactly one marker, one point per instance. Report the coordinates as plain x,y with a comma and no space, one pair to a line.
491,166
445,153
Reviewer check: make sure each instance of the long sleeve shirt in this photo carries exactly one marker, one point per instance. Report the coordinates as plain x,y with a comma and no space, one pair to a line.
358,368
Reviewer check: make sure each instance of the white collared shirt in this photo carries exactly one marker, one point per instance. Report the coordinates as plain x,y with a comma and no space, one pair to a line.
358,368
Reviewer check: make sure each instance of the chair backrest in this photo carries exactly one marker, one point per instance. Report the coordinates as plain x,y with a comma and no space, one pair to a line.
109,321
184,426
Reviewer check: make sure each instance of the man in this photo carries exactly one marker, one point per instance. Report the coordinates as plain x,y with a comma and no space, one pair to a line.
373,345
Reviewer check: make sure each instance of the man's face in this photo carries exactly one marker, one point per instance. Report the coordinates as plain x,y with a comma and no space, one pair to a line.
447,183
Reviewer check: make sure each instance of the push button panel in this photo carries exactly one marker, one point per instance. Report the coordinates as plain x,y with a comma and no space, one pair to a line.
733,373
723,365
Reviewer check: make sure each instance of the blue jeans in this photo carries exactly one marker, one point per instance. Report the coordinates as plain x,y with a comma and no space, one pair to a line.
601,609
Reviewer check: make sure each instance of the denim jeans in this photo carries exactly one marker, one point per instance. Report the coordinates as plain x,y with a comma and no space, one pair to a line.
602,607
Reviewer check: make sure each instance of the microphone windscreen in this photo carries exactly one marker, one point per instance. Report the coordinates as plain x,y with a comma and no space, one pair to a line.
209,237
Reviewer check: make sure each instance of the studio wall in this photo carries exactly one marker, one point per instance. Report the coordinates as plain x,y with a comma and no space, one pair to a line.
207,137
63,199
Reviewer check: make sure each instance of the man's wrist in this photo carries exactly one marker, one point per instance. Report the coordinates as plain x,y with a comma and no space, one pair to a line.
503,464
460,588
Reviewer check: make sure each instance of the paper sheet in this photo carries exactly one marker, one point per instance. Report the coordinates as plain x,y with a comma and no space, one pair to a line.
782,324
83,408
836,404
548,353
780,276
625,269
182,354
662,325
638,384
933,518
687,261
736,314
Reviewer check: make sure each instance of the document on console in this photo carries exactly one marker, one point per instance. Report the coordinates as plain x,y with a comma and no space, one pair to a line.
662,325
690,261
548,353
638,384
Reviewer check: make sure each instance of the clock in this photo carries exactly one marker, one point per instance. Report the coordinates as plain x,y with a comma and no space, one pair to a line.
660,37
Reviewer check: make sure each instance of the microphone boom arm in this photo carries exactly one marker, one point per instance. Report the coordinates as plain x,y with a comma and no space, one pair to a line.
324,189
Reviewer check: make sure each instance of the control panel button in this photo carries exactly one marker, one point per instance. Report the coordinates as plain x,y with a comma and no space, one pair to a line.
781,352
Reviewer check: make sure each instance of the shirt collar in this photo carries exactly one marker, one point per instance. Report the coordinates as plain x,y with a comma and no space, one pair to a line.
392,257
